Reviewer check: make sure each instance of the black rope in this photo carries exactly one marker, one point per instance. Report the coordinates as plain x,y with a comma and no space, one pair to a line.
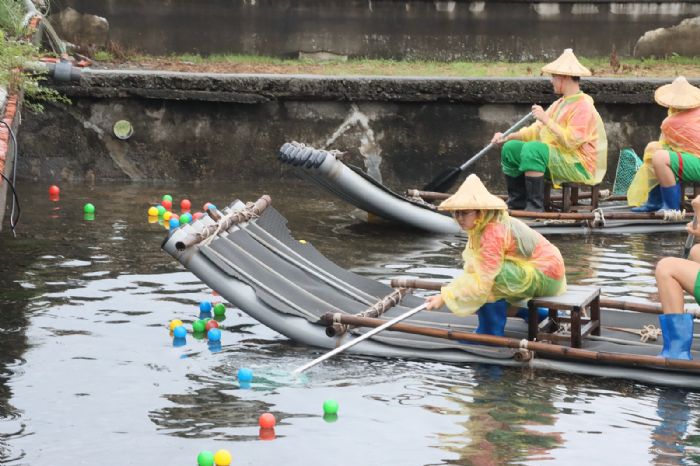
15,198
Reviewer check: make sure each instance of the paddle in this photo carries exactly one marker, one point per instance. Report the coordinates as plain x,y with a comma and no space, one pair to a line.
690,239
357,340
449,176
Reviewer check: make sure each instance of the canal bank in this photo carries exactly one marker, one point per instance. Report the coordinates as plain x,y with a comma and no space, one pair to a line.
189,126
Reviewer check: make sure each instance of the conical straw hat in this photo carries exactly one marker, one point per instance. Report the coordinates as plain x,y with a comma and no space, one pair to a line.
567,65
472,195
679,94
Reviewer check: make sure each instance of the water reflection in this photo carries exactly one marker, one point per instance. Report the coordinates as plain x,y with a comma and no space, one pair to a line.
85,307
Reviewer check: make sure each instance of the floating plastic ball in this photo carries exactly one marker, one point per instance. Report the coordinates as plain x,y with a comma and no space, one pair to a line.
180,332
161,210
197,215
174,223
267,421
185,205
167,204
54,190
153,211
198,326
205,458
211,324
167,197
89,208
185,218
167,215
219,309
208,206
205,306
174,215
222,458
214,334
175,323
330,407
245,375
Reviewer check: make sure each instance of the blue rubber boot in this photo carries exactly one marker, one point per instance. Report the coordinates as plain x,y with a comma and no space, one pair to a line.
492,318
653,203
677,331
542,313
671,197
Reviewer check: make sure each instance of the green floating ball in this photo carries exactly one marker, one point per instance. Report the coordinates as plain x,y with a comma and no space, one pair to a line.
198,326
89,208
167,197
330,407
219,309
205,458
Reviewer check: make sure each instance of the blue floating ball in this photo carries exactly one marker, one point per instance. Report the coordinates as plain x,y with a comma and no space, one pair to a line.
245,375
214,334
205,306
174,223
180,332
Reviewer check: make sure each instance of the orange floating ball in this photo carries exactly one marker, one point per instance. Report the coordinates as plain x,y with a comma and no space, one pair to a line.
267,421
185,205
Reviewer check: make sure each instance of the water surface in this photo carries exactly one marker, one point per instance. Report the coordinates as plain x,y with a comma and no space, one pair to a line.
89,373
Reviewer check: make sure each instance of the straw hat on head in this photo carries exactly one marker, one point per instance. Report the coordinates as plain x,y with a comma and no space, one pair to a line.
679,94
567,65
472,195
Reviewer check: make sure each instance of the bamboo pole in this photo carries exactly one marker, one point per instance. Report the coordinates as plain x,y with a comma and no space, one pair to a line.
223,223
433,196
375,310
592,216
378,328
646,308
564,352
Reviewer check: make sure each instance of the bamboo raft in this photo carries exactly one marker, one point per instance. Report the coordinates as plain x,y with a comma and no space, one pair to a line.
247,254
417,209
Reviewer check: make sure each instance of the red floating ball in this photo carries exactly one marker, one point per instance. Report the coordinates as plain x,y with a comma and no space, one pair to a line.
267,421
197,215
185,205
167,204
54,190
212,324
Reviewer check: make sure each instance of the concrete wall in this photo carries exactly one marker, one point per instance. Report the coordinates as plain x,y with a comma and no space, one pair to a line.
419,29
229,127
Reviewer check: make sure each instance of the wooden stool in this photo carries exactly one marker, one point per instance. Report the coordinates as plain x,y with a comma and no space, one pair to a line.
576,300
571,196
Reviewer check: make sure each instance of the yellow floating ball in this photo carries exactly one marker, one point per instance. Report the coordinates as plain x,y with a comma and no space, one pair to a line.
222,458
152,211
175,323
167,215
302,241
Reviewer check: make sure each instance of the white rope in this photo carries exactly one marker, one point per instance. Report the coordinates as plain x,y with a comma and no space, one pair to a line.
599,218
673,216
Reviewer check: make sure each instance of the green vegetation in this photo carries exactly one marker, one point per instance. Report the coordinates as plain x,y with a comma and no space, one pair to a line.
600,66
15,54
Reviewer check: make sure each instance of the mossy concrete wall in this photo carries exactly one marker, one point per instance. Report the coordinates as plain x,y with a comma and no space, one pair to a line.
416,29
190,126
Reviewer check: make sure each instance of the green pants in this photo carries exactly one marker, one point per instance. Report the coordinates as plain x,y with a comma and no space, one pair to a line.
518,157
696,290
689,170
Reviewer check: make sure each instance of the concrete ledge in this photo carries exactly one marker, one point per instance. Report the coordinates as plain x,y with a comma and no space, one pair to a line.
258,88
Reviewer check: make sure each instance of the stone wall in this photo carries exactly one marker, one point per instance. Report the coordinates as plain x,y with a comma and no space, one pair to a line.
229,127
417,29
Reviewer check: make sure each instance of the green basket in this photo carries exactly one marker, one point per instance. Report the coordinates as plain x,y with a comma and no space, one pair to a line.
627,166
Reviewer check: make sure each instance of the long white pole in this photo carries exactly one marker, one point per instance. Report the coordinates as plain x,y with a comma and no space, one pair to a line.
357,340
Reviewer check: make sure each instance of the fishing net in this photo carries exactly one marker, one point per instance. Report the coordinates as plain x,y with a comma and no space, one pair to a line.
627,166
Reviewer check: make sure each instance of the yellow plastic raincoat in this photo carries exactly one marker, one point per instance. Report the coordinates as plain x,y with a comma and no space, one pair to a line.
579,138
504,259
680,132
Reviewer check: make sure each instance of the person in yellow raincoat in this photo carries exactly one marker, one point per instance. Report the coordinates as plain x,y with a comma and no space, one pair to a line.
505,261
566,143
675,156
674,276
